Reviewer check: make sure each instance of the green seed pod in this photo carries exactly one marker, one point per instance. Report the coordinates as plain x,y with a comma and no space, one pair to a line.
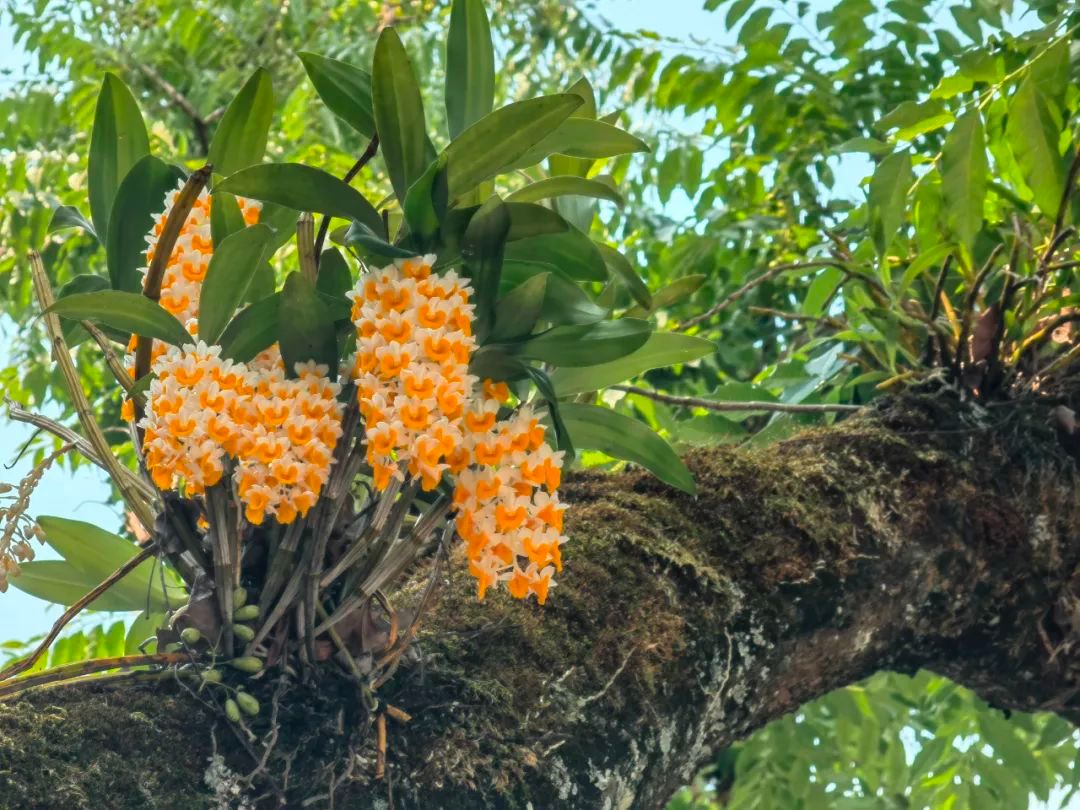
248,704
247,663
247,613
190,635
232,711
211,676
239,597
243,632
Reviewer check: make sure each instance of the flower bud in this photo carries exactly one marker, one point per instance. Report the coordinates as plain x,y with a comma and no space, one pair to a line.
232,711
243,632
248,704
247,663
239,597
247,613
211,676
190,635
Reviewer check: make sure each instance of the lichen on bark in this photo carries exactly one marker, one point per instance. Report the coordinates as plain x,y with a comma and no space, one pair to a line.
920,534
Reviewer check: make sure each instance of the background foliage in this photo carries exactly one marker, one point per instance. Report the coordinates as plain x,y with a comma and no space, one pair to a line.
958,120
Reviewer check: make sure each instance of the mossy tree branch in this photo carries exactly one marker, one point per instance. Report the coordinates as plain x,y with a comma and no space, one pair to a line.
911,537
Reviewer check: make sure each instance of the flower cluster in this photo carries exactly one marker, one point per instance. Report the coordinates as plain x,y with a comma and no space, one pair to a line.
282,432
414,340
426,415
16,527
190,257
204,409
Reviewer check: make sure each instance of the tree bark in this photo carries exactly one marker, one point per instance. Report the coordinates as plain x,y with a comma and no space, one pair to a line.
922,534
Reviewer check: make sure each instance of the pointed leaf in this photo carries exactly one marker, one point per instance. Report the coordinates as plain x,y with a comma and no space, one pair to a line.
117,143
621,268
470,66
232,267
305,326
582,138
483,248
68,216
361,236
669,295
253,329
517,311
1033,131
138,202
425,204
130,312
623,437
587,345
662,349
497,141
226,218
344,88
399,113
240,139
888,195
303,188
566,185
963,177
572,254
62,583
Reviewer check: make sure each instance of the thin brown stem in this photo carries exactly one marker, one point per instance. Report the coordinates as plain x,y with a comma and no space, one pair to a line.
71,376
80,668
768,275
75,609
720,407
112,360
365,158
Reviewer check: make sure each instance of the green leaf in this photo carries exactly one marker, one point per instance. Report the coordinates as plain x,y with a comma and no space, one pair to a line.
232,267
495,142
399,113
344,88
73,332
68,216
130,312
871,146
334,279
582,138
482,248
963,177
572,254
621,268
303,188
360,235
586,345
63,584
305,326
1007,745
139,200
97,553
144,627
564,301
528,220
623,437
253,329
225,217
425,203
888,195
566,185
240,138
1033,131
952,86
117,143
662,349
518,311
470,66
669,295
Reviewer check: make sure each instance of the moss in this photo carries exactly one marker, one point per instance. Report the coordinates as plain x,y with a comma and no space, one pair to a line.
501,691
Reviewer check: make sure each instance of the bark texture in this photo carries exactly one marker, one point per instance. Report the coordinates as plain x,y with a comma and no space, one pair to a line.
921,534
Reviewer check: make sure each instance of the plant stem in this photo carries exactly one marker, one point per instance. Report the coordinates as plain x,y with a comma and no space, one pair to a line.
62,353
69,671
711,405
324,226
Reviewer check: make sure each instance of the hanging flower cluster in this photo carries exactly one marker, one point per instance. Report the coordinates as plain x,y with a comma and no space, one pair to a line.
282,432
204,409
414,340
425,415
190,258
181,284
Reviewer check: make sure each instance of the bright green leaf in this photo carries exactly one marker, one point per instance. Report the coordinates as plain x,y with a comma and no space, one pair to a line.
118,142
662,349
240,138
470,66
232,267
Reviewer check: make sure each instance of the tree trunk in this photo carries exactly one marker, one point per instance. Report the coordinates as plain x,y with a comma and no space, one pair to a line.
922,534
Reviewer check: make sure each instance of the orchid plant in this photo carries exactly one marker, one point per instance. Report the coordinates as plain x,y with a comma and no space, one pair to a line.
424,373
